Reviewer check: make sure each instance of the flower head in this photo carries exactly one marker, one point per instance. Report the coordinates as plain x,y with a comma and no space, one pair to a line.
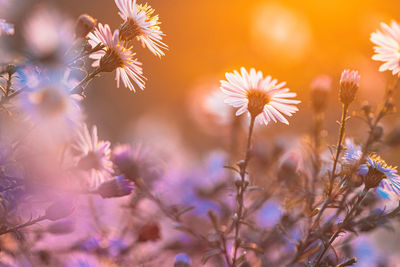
6,28
140,23
93,156
387,47
48,36
349,83
376,172
51,104
116,57
263,98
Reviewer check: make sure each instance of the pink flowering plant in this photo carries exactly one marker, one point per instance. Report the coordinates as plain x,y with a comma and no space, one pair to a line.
70,197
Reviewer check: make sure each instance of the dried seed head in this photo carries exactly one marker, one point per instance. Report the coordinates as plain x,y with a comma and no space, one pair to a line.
84,24
349,83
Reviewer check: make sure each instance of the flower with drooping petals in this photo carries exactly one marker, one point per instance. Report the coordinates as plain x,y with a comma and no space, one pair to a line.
116,57
140,23
93,156
264,98
376,172
387,47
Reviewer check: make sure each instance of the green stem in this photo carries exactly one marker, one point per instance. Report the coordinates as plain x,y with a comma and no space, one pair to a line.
240,192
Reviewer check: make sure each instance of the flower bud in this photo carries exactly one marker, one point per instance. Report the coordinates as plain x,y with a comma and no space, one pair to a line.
182,260
377,133
59,209
117,187
320,88
84,24
366,108
349,83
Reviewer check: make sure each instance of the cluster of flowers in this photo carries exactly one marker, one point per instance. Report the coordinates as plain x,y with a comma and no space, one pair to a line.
52,166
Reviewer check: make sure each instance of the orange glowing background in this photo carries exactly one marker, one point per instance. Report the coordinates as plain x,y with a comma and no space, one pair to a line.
291,40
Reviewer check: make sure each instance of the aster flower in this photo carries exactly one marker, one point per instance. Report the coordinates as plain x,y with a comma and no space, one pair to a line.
6,28
136,162
140,23
116,57
376,172
263,98
51,104
387,47
48,36
93,156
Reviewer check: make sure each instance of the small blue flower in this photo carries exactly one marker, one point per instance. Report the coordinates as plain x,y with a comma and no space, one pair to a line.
353,152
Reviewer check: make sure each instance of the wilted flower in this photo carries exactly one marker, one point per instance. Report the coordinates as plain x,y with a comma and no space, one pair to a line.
262,97
6,28
116,57
93,155
387,47
84,24
349,83
140,23
117,187
182,260
376,172
320,88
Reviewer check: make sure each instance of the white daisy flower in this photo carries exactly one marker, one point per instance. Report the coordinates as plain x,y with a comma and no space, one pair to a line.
93,156
116,57
263,98
387,47
140,23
